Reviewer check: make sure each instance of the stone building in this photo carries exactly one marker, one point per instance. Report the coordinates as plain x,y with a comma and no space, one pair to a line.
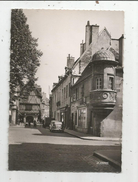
95,84
61,95
96,99
96,87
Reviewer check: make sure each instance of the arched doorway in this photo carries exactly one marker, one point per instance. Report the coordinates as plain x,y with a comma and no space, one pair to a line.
29,119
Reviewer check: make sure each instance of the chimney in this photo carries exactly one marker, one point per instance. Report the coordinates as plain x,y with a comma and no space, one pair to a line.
81,48
94,32
88,34
60,78
66,70
70,61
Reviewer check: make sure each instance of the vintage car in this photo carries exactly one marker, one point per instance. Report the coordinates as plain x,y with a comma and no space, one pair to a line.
56,126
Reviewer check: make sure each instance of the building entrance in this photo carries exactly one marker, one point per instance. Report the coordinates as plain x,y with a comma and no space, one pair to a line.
95,124
29,119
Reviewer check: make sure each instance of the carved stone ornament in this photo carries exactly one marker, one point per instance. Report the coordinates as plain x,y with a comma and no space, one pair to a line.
105,95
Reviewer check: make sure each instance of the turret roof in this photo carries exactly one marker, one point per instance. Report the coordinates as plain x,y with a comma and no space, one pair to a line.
102,55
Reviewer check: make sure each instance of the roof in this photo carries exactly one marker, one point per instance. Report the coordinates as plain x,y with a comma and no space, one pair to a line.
116,54
85,74
102,55
105,29
61,81
32,86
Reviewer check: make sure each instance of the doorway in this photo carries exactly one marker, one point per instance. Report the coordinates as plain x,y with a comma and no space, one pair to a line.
29,119
72,118
95,124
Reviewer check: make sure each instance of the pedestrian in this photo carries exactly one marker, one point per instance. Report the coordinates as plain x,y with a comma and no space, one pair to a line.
62,125
29,122
18,121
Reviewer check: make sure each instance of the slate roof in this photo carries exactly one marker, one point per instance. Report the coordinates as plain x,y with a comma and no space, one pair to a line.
103,55
85,74
116,54
32,86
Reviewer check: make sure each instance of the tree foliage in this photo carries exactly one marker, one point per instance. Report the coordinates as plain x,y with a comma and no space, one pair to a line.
25,57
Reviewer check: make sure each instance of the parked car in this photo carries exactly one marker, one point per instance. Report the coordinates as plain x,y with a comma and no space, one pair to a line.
56,126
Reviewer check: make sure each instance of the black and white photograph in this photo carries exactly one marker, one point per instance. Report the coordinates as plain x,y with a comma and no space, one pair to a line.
66,90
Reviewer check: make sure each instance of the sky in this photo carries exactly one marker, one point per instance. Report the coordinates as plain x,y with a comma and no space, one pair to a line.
60,33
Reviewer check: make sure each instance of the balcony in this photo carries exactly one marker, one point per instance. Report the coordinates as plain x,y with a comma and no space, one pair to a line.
103,98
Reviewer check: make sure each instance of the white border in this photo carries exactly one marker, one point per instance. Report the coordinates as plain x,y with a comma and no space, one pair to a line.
130,105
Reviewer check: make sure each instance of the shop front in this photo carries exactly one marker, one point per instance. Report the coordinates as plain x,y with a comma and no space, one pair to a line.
82,124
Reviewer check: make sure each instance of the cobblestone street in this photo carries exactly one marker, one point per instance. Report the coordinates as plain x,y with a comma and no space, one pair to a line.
74,156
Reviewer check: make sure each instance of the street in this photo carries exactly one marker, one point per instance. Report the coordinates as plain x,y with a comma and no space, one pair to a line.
37,149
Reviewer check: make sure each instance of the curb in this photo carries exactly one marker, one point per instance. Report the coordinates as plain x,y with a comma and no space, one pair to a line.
101,139
112,162
72,134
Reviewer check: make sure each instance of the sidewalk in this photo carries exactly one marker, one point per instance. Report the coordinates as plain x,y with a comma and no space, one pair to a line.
111,156
90,137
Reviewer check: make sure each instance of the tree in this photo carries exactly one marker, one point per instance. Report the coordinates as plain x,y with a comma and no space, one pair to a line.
25,57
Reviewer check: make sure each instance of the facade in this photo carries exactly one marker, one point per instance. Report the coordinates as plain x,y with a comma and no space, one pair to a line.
44,106
61,95
96,84
30,103
96,104
96,87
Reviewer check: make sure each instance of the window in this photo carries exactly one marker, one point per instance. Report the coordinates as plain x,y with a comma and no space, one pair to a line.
82,119
76,118
28,107
69,90
62,95
55,97
99,83
77,95
82,91
111,83
72,81
66,91
22,107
